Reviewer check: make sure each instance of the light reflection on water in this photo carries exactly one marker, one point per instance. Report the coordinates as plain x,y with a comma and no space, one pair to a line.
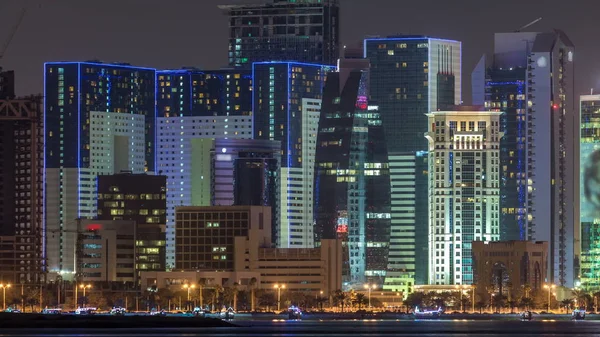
366,327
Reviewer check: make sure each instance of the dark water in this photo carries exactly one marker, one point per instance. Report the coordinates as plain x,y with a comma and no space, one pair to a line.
351,328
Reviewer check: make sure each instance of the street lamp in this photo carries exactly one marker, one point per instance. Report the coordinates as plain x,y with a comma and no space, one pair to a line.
279,287
550,287
369,287
189,287
4,286
84,287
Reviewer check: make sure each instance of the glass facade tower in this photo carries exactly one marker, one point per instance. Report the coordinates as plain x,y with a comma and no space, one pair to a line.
352,183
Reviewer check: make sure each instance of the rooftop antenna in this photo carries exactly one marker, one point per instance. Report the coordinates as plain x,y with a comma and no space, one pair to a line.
529,24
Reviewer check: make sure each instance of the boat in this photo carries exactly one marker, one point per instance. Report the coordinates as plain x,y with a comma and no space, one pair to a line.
117,311
198,312
422,313
578,314
52,311
85,311
227,313
526,316
294,312
155,312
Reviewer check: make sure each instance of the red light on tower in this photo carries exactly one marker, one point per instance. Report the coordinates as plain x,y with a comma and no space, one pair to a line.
555,106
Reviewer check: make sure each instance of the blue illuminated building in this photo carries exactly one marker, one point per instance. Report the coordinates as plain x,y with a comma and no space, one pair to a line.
286,107
193,92
72,91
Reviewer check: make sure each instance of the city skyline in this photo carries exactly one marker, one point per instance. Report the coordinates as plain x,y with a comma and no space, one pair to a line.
112,44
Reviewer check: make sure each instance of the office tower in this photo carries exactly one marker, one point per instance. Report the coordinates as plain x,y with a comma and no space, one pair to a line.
410,77
352,182
287,105
246,172
531,79
589,207
284,30
7,84
184,147
21,190
140,198
464,190
73,90
193,92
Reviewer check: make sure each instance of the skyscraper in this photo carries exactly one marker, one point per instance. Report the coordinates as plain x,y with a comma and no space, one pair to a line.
464,190
284,30
184,147
410,77
531,79
287,105
73,90
21,190
589,208
193,92
352,183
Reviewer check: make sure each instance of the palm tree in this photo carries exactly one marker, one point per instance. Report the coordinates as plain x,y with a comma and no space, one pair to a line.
596,296
480,305
201,284
360,300
340,297
512,304
252,286
526,289
217,289
579,295
566,303
235,293
526,302
321,300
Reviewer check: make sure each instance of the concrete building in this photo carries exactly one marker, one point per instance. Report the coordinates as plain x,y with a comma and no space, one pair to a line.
139,198
72,92
184,145
588,238
226,244
506,266
531,79
410,77
106,251
287,105
284,30
21,191
464,190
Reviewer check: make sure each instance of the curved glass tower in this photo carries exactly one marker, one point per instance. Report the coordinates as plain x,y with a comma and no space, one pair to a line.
352,183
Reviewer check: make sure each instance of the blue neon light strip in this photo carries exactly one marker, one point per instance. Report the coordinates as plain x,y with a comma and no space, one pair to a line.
101,65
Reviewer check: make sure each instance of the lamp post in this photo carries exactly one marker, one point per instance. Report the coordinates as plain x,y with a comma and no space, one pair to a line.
369,287
84,287
4,286
550,287
189,287
279,287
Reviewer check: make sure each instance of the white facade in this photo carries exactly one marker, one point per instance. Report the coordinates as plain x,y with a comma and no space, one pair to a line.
464,190
297,185
116,144
184,143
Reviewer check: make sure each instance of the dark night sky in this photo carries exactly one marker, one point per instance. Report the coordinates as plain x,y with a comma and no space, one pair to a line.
175,33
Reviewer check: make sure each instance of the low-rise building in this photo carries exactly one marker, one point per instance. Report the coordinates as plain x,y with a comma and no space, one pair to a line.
510,268
222,245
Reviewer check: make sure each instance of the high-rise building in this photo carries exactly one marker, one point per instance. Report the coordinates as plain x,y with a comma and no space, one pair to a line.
464,190
72,91
284,30
531,79
21,190
184,147
410,77
193,92
287,105
352,182
247,172
589,208
140,198
7,84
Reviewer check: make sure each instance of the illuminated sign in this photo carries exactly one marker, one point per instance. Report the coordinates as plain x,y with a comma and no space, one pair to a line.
94,227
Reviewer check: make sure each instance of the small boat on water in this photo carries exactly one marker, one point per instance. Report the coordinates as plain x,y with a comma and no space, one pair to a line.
421,313
578,314
294,313
526,316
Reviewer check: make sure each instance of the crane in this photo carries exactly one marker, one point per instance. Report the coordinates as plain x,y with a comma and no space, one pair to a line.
529,24
12,32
